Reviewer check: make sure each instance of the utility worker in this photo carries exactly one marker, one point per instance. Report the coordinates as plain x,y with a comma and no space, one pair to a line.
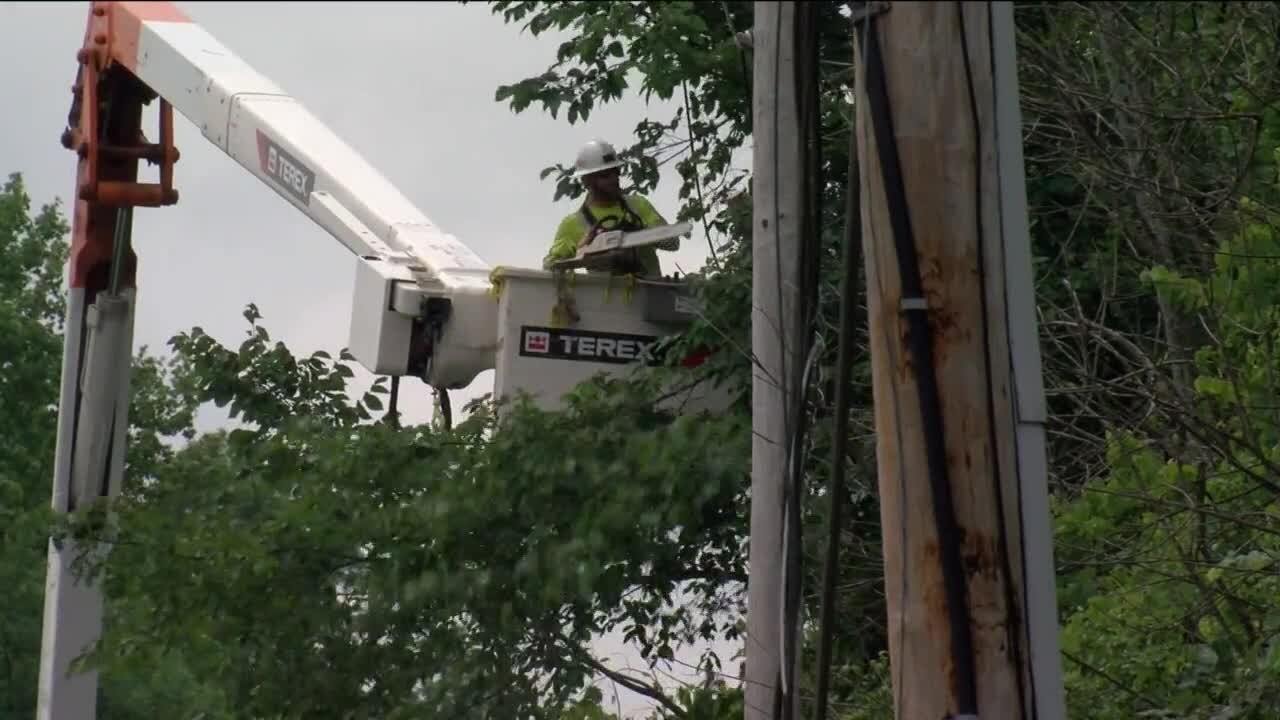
605,208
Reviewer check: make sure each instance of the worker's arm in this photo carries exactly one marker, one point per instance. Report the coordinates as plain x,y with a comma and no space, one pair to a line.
652,218
565,244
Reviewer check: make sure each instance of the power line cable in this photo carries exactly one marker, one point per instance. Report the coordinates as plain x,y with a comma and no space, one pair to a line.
840,423
780,680
739,39
806,50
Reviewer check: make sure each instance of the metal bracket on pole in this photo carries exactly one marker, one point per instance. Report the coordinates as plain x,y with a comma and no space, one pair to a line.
868,11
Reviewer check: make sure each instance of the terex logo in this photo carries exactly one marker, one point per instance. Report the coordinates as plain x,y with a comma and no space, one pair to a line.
537,342
285,169
584,346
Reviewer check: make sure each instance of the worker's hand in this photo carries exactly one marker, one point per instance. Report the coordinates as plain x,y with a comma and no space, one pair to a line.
586,240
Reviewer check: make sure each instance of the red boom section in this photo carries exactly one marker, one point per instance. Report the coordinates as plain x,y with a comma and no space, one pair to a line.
104,128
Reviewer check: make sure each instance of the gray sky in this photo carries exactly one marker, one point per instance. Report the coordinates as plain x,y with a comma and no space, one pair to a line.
412,91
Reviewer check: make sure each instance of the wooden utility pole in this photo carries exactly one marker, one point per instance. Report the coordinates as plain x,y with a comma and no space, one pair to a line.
776,335
956,368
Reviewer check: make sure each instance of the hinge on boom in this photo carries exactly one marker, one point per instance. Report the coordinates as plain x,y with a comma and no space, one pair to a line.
102,84
85,139
423,346
104,128
425,341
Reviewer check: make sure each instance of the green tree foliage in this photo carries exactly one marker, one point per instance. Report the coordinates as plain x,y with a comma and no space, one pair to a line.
409,573
1152,138
34,247
30,311
1145,125
1200,524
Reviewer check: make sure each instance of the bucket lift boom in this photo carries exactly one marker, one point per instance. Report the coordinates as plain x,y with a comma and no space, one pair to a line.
424,302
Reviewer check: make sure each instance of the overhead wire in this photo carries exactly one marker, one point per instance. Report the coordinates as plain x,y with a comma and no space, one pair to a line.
780,681
840,423
742,62
806,52
697,180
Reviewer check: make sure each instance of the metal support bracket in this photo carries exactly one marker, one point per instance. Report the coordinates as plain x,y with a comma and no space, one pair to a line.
864,13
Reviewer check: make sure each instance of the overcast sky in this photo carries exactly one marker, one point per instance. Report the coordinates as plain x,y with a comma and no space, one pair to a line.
410,86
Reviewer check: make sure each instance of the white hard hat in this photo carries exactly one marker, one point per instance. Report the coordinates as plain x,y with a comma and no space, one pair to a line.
595,156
